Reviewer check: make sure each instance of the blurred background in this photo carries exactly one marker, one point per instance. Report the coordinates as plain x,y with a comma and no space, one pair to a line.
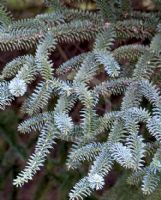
53,182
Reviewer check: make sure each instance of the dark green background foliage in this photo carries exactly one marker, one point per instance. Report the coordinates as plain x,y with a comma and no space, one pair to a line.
109,49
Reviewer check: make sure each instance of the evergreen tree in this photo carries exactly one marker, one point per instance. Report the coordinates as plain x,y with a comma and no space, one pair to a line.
126,48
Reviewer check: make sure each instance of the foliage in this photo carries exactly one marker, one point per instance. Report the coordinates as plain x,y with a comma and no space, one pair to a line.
126,49
124,191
